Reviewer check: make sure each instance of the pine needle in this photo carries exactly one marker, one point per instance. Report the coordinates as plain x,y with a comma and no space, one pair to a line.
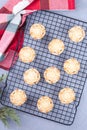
8,113
3,77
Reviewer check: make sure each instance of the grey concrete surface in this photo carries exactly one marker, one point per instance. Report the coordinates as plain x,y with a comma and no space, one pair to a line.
29,122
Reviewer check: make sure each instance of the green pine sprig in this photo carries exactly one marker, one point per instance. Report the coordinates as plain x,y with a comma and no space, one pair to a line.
3,77
8,113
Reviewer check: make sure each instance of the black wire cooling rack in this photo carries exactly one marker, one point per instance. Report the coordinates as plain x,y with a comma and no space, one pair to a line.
57,26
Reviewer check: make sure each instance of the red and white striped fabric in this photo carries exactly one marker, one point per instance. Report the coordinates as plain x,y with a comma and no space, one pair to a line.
12,17
57,4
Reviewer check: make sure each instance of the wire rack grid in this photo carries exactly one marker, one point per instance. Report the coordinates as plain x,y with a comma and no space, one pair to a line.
57,26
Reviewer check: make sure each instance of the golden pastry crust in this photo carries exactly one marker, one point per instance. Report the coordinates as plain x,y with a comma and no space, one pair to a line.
31,76
37,31
52,75
66,95
56,47
71,66
76,34
27,54
45,104
18,97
